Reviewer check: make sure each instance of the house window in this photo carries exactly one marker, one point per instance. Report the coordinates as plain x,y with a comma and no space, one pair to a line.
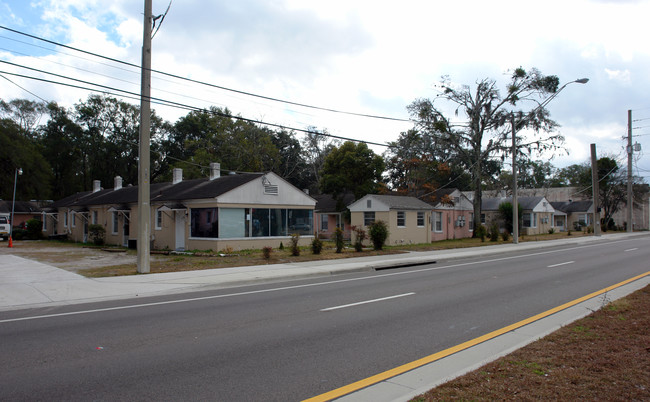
65,219
401,219
324,222
74,219
437,222
159,218
483,219
114,222
529,219
233,222
44,219
420,219
368,218
95,218
202,223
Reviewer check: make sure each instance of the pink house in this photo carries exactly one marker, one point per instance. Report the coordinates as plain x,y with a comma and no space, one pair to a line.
452,216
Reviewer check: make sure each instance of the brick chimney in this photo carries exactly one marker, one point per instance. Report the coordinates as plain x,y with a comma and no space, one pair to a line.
215,170
177,175
118,183
97,185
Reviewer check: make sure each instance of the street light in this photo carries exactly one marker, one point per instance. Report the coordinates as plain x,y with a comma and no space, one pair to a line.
515,203
19,171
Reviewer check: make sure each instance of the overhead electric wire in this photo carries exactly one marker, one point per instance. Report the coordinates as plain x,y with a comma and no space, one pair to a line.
206,83
180,105
26,90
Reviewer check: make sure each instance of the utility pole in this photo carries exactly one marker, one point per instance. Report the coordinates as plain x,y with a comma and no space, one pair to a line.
594,189
144,208
515,203
630,201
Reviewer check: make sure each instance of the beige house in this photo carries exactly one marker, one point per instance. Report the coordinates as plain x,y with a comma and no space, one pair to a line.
242,211
537,214
407,217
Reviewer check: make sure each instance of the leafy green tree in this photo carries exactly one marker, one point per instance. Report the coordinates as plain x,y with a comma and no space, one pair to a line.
505,210
576,175
378,233
414,167
315,148
352,167
25,113
484,132
21,151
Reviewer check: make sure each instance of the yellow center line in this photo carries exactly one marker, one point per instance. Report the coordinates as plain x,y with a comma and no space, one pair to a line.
348,389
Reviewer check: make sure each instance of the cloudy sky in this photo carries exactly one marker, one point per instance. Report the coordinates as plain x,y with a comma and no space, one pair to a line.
367,57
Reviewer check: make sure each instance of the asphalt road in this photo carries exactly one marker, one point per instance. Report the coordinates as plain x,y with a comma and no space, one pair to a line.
291,341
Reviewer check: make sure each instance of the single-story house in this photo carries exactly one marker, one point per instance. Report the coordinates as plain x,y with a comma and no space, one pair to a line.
577,214
328,214
237,211
452,215
23,211
537,213
407,217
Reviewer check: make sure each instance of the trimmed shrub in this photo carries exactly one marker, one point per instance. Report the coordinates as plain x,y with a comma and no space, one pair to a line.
34,229
338,239
480,232
266,252
97,233
493,232
316,244
378,232
505,236
295,250
360,236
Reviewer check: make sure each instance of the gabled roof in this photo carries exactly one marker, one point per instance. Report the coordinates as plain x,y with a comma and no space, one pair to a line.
327,203
20,207
159,192
573,206
396,202
527,203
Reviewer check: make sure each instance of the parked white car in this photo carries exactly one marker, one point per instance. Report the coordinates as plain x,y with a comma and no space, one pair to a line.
4,227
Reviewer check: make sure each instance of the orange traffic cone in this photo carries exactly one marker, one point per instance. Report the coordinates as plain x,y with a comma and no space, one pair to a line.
11,243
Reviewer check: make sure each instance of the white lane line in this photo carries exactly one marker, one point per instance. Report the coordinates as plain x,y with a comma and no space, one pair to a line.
367,301
630,249
562,263
308,285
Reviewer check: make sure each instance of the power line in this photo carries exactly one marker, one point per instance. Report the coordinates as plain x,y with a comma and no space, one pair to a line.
205,83
26,90
133,95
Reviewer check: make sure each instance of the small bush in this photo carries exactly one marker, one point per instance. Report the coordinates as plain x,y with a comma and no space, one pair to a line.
34,229
493,232
97,233
551,231
281,246
266,252
316,244
480,232
505,236
378,232
360,236
338,239
568,233
18,234
295,250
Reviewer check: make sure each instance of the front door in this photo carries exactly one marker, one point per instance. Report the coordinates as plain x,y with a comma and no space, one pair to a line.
179,230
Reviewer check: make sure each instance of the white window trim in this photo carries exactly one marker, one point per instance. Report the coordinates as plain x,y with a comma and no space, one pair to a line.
403,213
424,216
159,213
437,218
115,222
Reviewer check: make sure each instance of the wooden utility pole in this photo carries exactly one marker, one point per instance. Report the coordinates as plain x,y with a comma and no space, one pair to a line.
594,189
630,201
144,174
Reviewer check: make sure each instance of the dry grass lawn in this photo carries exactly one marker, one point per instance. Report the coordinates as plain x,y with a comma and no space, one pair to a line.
605,356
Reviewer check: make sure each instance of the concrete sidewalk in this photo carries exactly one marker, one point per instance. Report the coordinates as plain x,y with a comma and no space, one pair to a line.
27,284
